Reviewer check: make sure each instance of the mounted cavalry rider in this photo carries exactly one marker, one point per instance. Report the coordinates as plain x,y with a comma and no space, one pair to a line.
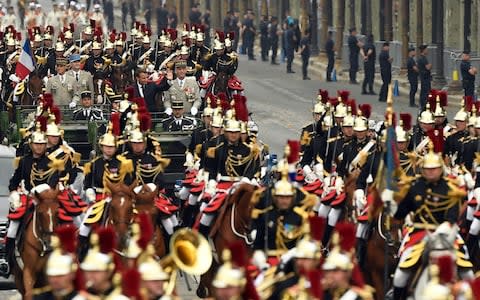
35,172
435,202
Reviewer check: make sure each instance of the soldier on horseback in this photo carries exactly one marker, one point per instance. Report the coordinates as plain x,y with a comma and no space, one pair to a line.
35,172
435,202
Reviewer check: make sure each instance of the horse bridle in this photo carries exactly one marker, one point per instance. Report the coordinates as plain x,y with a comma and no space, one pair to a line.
41,239
107,220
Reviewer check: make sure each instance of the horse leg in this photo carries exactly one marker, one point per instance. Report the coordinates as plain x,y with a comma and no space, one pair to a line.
28,282
160,243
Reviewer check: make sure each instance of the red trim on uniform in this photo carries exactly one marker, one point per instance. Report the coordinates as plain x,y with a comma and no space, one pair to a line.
197,188
165,205
20,212
472,202
414,238
339,199
312,187
330,196
216,203
235,84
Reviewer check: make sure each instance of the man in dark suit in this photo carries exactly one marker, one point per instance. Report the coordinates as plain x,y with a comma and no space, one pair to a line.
148,90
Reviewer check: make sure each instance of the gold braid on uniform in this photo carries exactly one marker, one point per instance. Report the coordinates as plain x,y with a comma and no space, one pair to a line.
126,166
144,172
282,236
232,161
43,176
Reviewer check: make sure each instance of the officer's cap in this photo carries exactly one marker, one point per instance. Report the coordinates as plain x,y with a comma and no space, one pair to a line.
181,64
61,61
86,94
177,104
74,57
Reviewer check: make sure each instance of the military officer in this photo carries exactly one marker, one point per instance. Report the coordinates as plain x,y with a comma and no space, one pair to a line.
62,85
83,79
185,89
87,111
454,144
435,202
419,140
202,133
229,281
219,61
35,172
153,276
95,62
177,121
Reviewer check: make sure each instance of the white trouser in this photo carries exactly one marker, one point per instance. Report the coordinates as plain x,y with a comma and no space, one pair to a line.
168,225
323,210
206,219
474,227
470,212
193,199
13,229
362,228
78,220
333,216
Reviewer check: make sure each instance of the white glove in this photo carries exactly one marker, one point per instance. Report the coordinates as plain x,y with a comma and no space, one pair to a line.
14,200
245,180
319,170
360,200
339,185
211,187
387,195
168,111
260,260
14,78
194,111
99,99
470,183
90,195
72,104
444,228
476,193
189,162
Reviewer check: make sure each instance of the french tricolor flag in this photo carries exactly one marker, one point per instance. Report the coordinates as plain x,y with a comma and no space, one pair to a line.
26,63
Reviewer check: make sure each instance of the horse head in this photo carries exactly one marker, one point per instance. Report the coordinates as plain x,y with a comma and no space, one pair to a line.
243,199
35,84
121,210
145,197
45,216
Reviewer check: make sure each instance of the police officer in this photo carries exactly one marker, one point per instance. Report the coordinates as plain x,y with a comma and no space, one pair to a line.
177,121
412,75
468,74
354,46
385,70
273,33
424,70
369,56
34,173
330,50
264,45
87,111
249,32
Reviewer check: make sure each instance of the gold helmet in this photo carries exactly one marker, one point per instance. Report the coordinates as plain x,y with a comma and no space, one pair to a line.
473,117
283,187
96,46
233,126
208,111
58,263
38,137
439,110
136,136
432,160
59,46
228,275
10,42
217,45
343,241
319,108
340,109
349,119
108,139
96,260
150,269
310,246
146,39
360,124
217,121
438,288
426,116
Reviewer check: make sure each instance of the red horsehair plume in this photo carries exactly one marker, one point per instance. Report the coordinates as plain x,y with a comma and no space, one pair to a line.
57,113
317,227
221,36
239,254
61,36
1,35
346,232
468,103
323,95
67,236
231,35
294,151
137,25
353,106
446,267
131,279
186,27
50,29
407,121
123,36
357,276
139,101
436,136
107,239
223,101
43,120
343,94
443,95
30,33
475,286
47,101
114,31
19,36
366,110
112,37
173,34
187,42
145,121
333,101
241,111
146,230
130,91
115,119
477,107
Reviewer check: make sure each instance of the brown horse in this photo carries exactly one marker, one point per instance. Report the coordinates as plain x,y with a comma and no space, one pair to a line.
231,225
120,211
27,94
34,245
145,202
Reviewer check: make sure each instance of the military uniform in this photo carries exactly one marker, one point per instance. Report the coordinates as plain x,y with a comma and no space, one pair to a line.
94,63
69,158
179,124
148,169
33,171
454,144
48,295
98,172
352,153
232,161
88,113
221,63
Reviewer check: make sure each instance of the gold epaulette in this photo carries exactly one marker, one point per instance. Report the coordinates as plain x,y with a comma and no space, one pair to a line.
56,164
126,165
266,148
333,139
20,88
306,138
256,212
87,168
211,150
301,211
198,149
76,157
308,201
366,292
208,56
109,91
404,184
96,212
254,149
16,162
455,190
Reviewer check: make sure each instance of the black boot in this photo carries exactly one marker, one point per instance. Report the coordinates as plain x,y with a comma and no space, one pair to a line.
204,230
189,214
327,235
10,252
471,243
83,246
398,293
361,252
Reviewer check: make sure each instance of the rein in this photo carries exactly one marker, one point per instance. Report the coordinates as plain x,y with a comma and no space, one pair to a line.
234,230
